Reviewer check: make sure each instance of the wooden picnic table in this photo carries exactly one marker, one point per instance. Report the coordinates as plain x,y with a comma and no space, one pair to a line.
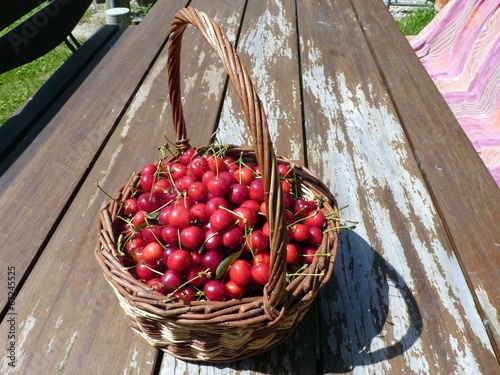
415,288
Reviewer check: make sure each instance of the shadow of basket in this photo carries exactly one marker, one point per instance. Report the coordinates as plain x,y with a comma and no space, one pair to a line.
355,309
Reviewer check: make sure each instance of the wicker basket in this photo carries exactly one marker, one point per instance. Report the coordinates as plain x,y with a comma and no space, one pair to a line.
239,328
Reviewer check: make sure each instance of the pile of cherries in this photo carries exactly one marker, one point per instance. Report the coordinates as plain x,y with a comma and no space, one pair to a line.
196,228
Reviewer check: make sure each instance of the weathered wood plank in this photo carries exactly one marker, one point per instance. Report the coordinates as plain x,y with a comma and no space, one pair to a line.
467,198
398,302
68,320
289,356
132,145
268,40
41,181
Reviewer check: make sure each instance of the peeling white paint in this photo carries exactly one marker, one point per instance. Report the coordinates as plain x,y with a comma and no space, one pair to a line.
266,43
49,346
59,321
376,170
26,326
105,174
229,121
489,309
189,83
463,357
133,362
69,348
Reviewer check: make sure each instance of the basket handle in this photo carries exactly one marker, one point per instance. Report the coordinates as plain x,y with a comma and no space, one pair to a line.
274,290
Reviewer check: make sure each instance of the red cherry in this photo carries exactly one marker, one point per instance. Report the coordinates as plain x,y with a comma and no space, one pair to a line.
139,218
197,191
184,201
260,273
166,253
187,156
286,187
221,219
177,171
301,208
180,260
192,237
172,280
196,275
234,290
257,241
148,169
240,272
130,207
198,213
216,164
145,270
213,240
152,251
148,202
238,193
218,186
179,217
212,259
308,255
300,232
170,235
163,215
284,171
244,176
215,290
315,219
315,236
292,253
196,258
152,233
245,217
233,238
254,205
215,203
156,284
261,257
198,166
227,176
133,245
256,191
207,176
186,293
161,187
184,183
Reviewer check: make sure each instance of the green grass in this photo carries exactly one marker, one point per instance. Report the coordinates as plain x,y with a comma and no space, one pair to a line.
18,85
415,22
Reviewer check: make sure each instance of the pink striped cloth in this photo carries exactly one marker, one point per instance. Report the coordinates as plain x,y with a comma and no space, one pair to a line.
460,50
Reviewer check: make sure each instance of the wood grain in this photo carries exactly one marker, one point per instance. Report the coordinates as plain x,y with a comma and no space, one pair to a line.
53,165
268,40
396,301
67,318
454,173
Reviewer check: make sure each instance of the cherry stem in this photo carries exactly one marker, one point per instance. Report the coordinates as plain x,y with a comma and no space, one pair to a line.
341,227
206,272
107,194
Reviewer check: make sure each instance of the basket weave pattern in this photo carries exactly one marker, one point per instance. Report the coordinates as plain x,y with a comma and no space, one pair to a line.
234,329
